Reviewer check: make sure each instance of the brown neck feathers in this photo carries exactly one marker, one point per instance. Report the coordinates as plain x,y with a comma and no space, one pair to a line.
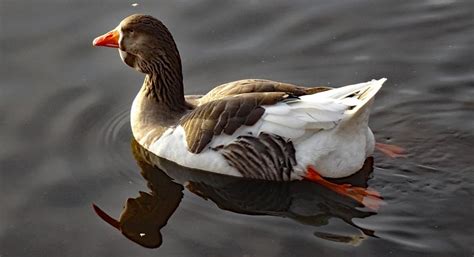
164,84
158,57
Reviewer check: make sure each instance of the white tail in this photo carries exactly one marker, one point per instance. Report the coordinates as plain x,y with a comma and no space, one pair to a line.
357,89
357,95
363,92
322,110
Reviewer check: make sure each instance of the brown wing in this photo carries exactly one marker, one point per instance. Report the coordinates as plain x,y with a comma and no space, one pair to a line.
225,115
266,156
193,100
257,85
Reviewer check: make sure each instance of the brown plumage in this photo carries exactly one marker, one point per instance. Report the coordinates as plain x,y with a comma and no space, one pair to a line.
257,85
148,46
225,115
229,106
266,156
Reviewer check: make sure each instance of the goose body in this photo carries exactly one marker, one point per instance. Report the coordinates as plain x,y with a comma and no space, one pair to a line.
248,128
327,129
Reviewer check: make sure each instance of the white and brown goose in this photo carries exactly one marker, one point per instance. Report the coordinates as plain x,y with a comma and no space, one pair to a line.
249,128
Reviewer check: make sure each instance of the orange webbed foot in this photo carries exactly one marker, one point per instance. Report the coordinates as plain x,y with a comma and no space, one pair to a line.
392,151
366,196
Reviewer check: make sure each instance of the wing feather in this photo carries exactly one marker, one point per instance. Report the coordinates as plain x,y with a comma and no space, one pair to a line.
247,86
225,116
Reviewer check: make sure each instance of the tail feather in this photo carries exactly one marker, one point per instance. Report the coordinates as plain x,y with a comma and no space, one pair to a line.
323,110
351,98
361,90
366,94
358,95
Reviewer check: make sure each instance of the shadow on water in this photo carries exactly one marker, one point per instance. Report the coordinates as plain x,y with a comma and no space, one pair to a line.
302,201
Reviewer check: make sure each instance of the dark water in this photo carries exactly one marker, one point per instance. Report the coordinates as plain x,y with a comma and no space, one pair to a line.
65,134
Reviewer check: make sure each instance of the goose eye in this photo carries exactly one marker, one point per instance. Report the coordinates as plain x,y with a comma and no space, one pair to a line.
128,31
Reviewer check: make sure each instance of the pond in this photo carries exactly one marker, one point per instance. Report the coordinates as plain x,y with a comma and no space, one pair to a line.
67,143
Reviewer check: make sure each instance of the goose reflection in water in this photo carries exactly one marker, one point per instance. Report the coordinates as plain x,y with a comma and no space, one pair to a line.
303,201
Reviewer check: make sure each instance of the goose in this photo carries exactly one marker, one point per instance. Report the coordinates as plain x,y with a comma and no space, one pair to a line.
252,128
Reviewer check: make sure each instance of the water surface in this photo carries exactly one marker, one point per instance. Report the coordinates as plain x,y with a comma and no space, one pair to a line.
65,132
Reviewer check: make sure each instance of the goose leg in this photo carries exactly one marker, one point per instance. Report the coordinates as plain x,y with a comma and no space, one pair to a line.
392,151
366,196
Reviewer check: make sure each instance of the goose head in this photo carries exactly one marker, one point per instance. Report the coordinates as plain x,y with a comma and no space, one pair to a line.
144,43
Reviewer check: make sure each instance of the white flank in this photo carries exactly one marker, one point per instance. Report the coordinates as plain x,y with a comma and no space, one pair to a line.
172,146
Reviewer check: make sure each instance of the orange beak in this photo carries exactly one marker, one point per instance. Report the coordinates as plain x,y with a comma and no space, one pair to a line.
109,39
